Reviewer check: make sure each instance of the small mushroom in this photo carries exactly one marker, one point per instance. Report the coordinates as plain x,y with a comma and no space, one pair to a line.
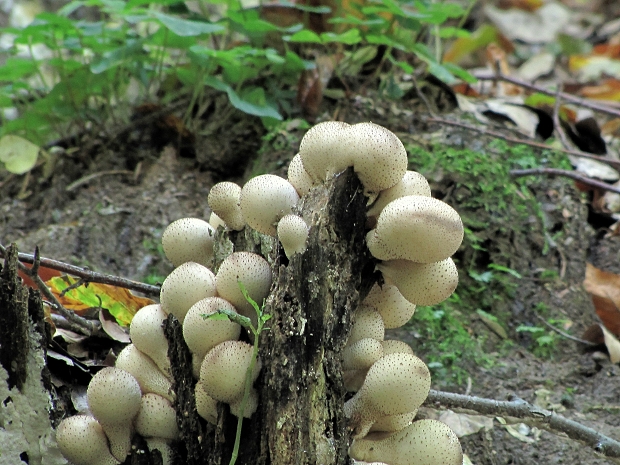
114,400
253,271
264,200
422,283
189,239
392,423
206,406
224,368
395,384
392,346
147,334
148,375
201,334
321,150
224,200
216,221
394,309
156,418
185,286
81,441
417,228
377,155
361,354
162,446
367,323
298,176
412,183
250,406
424,442
292,232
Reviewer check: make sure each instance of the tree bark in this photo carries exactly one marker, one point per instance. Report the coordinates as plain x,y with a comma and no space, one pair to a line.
300,418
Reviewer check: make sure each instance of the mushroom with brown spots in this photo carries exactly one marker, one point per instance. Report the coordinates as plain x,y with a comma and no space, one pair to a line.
395,384
424,442
417,228
264,200
147,334
412,183
189,239
298,176
81,441
149,377
224,200
156,418
394,309
114,400
292,233
321,150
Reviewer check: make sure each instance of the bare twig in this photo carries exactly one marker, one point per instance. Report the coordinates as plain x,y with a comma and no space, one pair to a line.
566,335
556,118
89,276
530,414
567,174
567,97
514,140
86,179
79,324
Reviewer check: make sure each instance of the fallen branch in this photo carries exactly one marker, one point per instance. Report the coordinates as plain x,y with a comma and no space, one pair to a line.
586,103
567,174
515,140
529,414
88,276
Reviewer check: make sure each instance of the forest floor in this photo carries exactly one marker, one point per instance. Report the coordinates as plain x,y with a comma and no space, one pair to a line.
533,242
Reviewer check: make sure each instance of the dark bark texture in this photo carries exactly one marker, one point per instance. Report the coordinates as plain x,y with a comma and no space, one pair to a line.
299,419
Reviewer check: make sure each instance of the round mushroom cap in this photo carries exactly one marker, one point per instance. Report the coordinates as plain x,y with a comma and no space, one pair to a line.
361,354
367,323
378,156
391,423
412,183
81,441
223,370
394,309
147,334
162,446
265,199
395,384
250,406
156,418
216,221
253,272
202,334
393,346
149,377
423,442
224,200
322,150
189,239
353,379
417,228
298,176
422,283
206,406
292,233
185,286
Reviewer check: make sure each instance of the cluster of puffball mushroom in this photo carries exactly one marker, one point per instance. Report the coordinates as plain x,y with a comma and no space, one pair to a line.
413,236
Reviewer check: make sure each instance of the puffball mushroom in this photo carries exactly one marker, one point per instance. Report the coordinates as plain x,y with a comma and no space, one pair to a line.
417,228
361,354
206,406
392,423
202,334
149,377
378,156
250,269
157,418
250,406
392,346
224,200
412,183
147,334
395,384
223,370
189,239
298,176
264,200
394,309
424,442
81,441
114,400
367,323
162,446
292,233
185,286
421,283
216,221
322,150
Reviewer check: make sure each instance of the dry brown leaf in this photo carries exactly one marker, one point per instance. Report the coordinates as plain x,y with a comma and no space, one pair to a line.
604,288
598,334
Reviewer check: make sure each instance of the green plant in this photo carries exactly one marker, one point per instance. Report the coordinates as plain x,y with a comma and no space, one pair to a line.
545,340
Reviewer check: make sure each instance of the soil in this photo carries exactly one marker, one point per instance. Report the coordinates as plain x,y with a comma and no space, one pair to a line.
113,223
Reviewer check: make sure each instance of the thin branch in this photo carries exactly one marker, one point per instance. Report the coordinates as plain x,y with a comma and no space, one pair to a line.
86,179
567,174
567,97
530,414
514,140
87,275
556,118
79,324
565,334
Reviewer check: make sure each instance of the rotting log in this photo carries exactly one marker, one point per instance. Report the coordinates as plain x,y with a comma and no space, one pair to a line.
300,418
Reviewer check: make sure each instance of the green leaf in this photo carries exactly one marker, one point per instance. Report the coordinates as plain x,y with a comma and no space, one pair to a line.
185,27
241,104
304,36
351,37
18,154
529,329
505,269
460,73
118,56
